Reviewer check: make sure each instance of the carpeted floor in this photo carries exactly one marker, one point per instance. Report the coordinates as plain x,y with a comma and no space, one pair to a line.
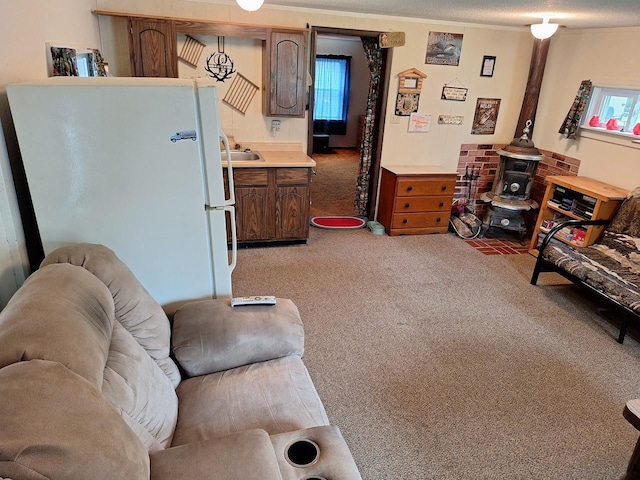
333,187
439,362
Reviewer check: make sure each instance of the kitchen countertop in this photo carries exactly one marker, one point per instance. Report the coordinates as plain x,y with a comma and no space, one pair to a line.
277,158
276,154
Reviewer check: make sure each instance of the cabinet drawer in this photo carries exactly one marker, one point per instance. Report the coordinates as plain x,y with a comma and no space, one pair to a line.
292,176
418,187
420,220
250,176
422,204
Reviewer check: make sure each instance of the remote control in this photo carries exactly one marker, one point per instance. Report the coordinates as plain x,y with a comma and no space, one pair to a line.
253,300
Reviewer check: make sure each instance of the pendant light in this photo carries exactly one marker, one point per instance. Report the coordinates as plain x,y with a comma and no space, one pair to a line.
250,5
544,30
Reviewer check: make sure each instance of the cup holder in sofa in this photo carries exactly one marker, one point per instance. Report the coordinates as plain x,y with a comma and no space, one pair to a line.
302,453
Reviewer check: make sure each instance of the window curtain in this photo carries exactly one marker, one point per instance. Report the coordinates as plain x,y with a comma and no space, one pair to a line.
373,55
331,94
572,121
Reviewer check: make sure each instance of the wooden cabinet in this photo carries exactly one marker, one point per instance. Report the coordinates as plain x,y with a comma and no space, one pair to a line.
152,47
272,204
576,198
415,199
285,74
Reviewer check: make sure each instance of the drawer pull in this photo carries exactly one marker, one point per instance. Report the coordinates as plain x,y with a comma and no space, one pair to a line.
441,204
407,205
409,189
438,220
444,187
404,220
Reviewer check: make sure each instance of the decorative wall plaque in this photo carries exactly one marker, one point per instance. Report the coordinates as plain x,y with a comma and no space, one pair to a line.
411,81
458,94
407,103
450,119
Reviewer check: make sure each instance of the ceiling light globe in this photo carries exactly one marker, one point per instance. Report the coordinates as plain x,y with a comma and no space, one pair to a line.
543,30
250,5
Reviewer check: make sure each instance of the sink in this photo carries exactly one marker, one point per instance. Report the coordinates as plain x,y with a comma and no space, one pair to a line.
245,156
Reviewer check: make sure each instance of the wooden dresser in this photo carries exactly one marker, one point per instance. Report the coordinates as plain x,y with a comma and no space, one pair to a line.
415,199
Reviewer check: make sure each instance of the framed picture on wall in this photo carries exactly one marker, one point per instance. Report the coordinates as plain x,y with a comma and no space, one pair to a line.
486,116
488,64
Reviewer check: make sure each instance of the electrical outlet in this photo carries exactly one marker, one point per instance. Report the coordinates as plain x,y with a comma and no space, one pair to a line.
275,127
395,119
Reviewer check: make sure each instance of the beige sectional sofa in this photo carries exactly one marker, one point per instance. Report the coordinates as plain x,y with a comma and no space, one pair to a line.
89,388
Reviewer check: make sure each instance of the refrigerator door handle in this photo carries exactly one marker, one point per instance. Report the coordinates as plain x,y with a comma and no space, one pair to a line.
234,238
232,197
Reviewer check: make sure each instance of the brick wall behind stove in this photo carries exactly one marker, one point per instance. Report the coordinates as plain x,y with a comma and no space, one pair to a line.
484,158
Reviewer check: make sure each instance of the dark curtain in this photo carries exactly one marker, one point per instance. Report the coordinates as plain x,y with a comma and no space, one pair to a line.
373,55
333,75
572,121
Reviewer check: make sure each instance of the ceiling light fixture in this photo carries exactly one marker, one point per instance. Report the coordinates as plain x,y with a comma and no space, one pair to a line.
544,30
250,5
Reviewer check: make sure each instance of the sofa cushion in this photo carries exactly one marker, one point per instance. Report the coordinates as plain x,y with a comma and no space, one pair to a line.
64,314
74,434
277,396
246,455
610,266
135,309
137,387
211,335
627,219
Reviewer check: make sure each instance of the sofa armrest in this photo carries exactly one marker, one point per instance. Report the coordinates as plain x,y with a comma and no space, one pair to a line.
246,455
211,336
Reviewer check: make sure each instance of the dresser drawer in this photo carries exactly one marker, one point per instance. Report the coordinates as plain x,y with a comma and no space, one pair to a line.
419,187
420,220
422,204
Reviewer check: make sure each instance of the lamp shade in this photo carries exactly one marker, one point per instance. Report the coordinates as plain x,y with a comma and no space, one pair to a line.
544,30
250,5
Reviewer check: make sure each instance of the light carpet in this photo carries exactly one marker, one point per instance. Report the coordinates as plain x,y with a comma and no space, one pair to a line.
439,362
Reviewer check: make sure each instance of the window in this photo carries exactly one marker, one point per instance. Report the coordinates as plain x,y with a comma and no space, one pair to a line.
331,88
616,110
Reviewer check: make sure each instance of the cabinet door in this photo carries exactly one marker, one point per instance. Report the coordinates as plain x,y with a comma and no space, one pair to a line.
292,212
153,49
253,213
285,74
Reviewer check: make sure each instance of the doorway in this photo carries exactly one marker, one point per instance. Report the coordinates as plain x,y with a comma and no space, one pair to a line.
338,162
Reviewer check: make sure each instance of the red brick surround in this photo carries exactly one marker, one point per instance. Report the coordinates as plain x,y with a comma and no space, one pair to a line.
485,157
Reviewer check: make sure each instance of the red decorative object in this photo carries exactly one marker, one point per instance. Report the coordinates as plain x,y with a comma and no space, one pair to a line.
595,121
636,129
612,124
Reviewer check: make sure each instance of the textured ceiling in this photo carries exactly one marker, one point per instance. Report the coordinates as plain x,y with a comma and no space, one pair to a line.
514,13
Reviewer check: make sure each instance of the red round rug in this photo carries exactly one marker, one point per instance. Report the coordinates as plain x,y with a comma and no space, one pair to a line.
337,221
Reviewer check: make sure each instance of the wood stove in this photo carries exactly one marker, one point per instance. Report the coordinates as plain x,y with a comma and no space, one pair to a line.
510,196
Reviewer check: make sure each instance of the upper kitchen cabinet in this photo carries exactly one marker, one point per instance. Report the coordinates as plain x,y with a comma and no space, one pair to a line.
152,46
284,74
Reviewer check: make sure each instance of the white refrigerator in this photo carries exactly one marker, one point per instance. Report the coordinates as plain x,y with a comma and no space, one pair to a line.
134,164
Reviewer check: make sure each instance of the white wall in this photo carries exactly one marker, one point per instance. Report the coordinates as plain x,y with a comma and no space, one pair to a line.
25,28
608,57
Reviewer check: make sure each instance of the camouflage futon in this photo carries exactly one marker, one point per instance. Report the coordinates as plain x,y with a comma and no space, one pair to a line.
610,267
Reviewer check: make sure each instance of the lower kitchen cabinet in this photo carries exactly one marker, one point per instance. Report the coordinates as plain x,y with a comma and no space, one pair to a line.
415,199
272,204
